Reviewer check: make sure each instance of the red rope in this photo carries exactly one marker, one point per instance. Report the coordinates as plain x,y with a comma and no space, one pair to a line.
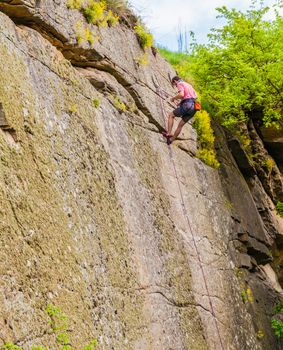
159,93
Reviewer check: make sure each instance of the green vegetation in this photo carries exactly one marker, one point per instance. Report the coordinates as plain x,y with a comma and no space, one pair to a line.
142,60
279,209
268,163
91,346
59,324
206,151
276,324
96,102
95,12
101,13
260,334
58,320
10,346
89,36
202,122
111,19
247,295
239,73
119,104
180,61
133,107
84,34
279,307
73,108
74,4
277,327
144,37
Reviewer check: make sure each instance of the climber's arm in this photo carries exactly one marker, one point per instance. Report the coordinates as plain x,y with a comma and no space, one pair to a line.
179,96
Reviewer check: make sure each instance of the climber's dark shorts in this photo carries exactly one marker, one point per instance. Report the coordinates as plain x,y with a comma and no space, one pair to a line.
186,110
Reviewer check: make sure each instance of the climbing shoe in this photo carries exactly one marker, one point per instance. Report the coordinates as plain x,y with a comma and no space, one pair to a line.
165,134
169,140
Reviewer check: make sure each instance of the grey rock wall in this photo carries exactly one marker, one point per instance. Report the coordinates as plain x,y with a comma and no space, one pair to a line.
143,247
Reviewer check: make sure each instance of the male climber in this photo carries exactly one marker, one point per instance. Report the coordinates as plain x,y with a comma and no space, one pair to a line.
185,110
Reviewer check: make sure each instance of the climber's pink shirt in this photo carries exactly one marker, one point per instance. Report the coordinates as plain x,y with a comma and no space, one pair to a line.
188,90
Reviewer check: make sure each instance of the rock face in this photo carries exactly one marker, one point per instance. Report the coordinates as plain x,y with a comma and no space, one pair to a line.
143,247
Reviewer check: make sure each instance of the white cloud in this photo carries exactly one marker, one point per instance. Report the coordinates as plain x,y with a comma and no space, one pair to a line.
163,17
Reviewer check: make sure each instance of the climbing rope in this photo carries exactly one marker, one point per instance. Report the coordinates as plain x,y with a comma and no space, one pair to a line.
160,93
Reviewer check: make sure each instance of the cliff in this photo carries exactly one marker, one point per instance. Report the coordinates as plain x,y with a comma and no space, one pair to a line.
142,246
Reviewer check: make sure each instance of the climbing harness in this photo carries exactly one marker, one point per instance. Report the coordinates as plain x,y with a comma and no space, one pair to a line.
161,94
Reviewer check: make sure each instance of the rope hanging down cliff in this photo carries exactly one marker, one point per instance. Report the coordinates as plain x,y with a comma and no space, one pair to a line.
160,93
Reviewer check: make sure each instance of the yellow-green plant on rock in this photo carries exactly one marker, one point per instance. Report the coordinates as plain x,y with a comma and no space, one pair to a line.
111,18
94,12
74,4
144,36
84,34
268,163
73,108
119,104
260,334
96,102
89,36
142,60
11,346
59,324
206,151
279,209
247,295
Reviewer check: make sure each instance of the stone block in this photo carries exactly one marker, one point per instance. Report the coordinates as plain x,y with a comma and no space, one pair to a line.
245,261
259,251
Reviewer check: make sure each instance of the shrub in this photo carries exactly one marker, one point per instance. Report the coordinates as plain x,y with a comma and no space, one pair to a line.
279,209
73,108
208,156
96,102
112,19
202,124
247,296
94,12
268,163
58,320
79,32
277,326
278,308
74,4
89,36
119,104
180,61
145,38
84,34
142,60
260,334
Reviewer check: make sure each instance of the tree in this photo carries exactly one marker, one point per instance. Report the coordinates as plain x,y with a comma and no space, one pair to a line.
240,72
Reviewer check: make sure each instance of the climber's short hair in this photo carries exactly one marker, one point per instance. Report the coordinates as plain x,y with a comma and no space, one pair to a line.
175,79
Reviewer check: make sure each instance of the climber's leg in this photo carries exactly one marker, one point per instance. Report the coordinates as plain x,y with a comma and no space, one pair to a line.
178,130
170,123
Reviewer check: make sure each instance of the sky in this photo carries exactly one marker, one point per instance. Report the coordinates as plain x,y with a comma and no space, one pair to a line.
164,17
